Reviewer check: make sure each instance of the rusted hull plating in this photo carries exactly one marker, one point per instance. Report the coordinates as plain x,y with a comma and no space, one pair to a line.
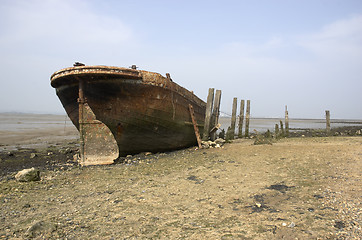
138,111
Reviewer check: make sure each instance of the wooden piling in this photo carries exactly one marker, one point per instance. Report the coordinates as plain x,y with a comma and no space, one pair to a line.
228,134
210,100
247,118
328,122
222,134
286,121
233,118
215,114
282,129
276,130
241,118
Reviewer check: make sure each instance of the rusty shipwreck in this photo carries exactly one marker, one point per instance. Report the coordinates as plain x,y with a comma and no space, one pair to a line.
120,111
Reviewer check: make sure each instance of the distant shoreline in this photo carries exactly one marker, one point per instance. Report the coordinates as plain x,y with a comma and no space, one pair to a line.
24,130
344,120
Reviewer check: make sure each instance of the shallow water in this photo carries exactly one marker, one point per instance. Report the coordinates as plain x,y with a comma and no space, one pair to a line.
14,122
34,130
20,122
263,124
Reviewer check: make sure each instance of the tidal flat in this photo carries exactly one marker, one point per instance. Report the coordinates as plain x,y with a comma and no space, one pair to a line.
296,188
301,187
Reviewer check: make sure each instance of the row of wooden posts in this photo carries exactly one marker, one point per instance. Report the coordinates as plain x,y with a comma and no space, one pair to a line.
213,112
283,133
230,134
212,119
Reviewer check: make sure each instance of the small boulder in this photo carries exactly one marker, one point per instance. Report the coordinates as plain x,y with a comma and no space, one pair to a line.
65,151
28,175
76,157
211,144
41,229
205,144
32,155
68,150
220,141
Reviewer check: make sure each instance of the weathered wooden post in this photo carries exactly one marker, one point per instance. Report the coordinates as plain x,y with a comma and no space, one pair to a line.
241,118
328,122
247,118
215,115
228,136
210,100
222,134
276,130
282,129
286,121
233,118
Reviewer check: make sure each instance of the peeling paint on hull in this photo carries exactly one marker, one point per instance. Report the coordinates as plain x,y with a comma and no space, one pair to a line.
144,111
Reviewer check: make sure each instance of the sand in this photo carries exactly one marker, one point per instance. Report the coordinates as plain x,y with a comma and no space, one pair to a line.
296,188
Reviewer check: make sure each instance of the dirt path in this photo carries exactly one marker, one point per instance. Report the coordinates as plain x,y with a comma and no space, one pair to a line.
298,188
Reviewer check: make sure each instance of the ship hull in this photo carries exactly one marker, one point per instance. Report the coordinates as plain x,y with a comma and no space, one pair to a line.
149,113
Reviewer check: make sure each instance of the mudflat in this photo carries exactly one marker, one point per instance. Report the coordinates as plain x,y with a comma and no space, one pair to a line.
19,130
296,188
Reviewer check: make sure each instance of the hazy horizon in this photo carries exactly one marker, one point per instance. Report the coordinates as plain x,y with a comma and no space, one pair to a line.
221,116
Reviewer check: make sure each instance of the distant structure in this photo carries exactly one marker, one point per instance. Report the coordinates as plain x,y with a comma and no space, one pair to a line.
77,64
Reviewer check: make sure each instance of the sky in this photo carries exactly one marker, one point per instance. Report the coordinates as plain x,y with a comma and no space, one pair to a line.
306,54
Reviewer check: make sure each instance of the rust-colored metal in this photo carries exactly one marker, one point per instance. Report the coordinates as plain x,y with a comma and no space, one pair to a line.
140,110
97,144
196,128
81,102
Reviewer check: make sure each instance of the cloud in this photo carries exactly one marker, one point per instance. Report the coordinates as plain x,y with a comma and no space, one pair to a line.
339,41
254,49
307,72
60,27
311,72
39,37
343,37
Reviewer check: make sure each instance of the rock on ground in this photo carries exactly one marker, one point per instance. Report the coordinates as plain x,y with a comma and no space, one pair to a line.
28,175
41,229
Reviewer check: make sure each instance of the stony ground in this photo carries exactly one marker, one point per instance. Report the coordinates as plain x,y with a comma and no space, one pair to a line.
296,188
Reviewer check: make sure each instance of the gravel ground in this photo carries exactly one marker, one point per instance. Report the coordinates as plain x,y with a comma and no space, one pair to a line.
296,188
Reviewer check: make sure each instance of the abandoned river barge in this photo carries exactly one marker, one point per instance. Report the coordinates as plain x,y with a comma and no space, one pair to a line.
120,111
